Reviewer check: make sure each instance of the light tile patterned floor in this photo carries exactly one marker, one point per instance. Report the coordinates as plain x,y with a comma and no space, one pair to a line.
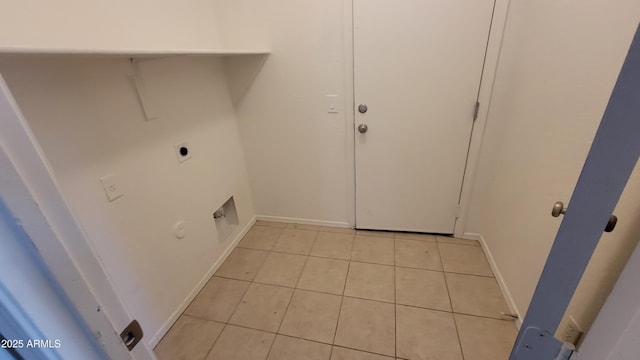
305,292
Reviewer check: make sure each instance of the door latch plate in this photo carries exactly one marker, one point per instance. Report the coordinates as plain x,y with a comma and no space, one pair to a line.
132,334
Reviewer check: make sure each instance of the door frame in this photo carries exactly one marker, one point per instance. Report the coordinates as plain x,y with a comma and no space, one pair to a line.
32,195
494,44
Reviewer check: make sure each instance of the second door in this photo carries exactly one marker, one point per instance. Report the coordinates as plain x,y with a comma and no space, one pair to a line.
417,68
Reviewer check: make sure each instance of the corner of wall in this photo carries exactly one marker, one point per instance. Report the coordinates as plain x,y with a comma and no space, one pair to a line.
155,339
506,293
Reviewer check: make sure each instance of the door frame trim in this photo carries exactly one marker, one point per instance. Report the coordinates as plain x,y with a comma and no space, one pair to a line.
492,56
350,116
494,45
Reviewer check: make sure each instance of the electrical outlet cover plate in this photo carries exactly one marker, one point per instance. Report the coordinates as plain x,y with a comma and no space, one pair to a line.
111,187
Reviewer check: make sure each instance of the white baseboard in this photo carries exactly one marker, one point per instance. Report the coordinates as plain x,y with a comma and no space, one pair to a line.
303,221
183,306
472,236
496,271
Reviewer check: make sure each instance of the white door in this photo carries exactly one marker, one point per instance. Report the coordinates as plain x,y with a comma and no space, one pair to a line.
417,67
29,192
23,285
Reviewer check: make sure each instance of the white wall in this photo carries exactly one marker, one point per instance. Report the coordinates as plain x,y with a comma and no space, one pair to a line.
121,24
86,116
299,158
558,65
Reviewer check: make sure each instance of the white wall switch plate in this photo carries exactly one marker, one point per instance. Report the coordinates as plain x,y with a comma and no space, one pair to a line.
332,104
111,187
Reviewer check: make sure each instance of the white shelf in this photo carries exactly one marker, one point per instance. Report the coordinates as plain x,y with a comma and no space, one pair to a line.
17,50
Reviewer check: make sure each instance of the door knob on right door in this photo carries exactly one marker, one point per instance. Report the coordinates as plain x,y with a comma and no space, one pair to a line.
559,209
363,128
611,224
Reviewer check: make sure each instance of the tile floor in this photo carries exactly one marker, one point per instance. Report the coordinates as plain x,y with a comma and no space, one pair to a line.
291,291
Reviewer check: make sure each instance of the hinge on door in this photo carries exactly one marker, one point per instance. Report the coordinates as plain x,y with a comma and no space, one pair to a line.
537,344
458,210
476,110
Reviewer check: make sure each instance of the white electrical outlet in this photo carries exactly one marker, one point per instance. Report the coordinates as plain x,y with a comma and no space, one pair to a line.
111,187
572,333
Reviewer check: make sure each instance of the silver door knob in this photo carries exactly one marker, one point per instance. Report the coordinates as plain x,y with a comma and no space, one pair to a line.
559,209
362,108
363,128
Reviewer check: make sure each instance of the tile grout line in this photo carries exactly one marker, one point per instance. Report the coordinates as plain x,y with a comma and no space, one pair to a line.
215,341
341,297
296,286
292,294
344,287
364,351
301,338
364,298
239,302
368,299
455,324
395,301
243,295
368,262
467,274
273,342
229,318
315,239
